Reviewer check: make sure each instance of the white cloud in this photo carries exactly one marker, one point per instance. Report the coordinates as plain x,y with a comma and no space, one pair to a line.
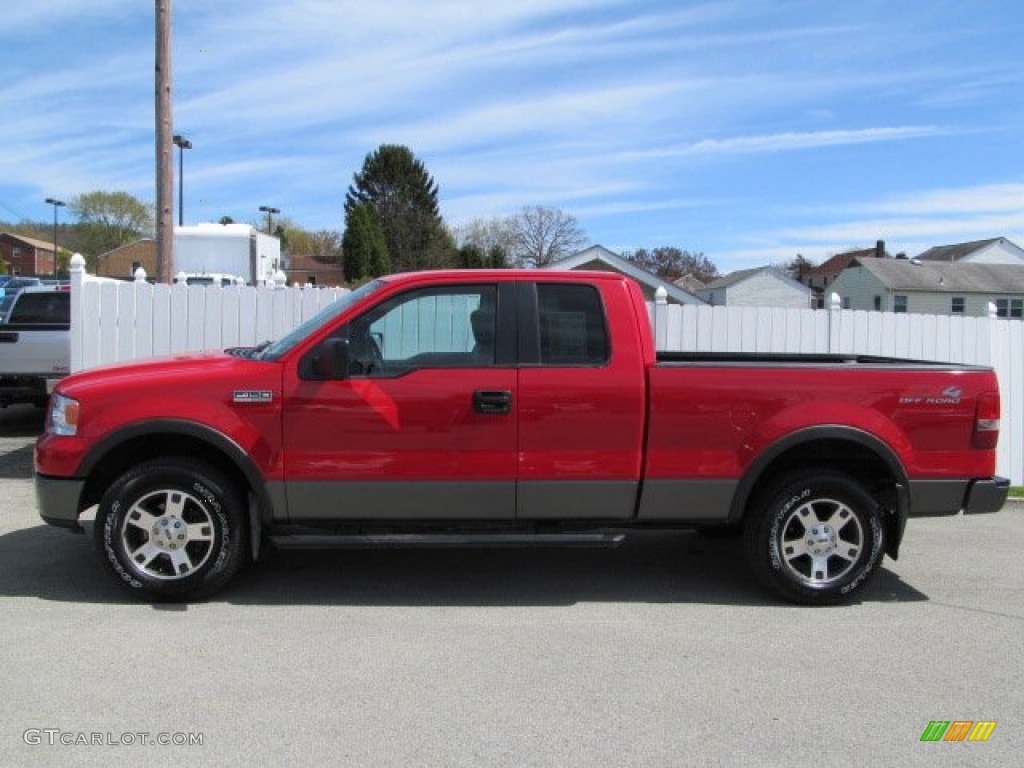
786,142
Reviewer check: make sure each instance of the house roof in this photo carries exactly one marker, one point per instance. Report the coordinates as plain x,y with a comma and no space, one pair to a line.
690,283
957,251
306,263
945,277
145,242
734,278
626,267
47,245
839,262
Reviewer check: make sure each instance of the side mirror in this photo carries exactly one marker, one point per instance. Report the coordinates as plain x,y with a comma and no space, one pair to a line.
332,359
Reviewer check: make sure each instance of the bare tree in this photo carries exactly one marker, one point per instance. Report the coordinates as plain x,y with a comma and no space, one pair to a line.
671,263
545,235
486,234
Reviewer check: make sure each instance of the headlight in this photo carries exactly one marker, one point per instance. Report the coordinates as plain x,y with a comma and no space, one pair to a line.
63,416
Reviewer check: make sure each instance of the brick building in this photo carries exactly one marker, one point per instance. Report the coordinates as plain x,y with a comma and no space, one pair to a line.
26,256
123,261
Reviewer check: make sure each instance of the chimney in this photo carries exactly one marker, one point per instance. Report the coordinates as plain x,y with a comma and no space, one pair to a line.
880,249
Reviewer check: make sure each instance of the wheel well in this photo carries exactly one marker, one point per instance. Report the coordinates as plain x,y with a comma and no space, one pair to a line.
153,446
858,461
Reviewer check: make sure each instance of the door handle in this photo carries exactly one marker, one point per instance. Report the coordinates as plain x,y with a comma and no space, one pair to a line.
492,402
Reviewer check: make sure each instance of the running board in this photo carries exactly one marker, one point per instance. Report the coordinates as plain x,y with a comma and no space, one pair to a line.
455,540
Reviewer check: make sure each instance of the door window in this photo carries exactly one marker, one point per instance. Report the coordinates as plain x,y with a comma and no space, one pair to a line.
445,327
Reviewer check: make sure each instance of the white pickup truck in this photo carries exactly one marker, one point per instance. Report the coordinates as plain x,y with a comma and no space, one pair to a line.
35,344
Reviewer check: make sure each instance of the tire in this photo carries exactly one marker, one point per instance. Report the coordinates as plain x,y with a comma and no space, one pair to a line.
172,529
816,538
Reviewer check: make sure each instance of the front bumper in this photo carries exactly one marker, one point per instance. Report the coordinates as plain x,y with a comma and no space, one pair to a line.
57,499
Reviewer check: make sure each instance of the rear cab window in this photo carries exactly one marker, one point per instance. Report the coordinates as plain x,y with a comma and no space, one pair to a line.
573,326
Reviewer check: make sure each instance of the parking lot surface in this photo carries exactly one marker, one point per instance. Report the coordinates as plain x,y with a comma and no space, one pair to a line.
664,652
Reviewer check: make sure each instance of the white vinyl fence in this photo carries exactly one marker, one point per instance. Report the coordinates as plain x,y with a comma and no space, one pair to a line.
113,321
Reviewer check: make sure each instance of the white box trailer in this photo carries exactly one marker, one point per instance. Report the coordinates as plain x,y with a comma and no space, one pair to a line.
226,250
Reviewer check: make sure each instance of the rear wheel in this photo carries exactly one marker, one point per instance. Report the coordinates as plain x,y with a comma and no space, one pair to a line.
816,537
172,528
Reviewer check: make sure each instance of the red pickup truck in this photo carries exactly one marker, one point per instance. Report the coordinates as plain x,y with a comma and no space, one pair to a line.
510,407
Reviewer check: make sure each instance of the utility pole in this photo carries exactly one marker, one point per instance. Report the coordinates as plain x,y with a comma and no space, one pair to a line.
164,131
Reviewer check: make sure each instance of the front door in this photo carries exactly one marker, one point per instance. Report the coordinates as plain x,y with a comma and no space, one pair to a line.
424,427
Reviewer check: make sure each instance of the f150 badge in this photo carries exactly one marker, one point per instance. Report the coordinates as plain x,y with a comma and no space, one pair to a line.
252,396
949,396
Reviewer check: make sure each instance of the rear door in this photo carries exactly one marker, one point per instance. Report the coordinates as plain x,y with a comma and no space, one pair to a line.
424,427
581,402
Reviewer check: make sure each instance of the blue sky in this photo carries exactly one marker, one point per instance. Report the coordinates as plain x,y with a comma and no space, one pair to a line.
750,131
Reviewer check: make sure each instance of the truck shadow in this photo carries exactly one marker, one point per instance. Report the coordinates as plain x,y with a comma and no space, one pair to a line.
22,421
683,567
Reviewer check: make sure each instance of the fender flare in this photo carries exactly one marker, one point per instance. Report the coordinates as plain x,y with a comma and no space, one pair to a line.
218,440
756,469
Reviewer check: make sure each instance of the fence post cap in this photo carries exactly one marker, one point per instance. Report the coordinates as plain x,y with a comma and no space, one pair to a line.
661,295
834,302
77,262
280,279
993,310
140,275
181,277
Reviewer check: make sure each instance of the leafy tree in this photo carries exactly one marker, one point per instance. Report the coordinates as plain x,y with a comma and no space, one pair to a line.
404,198
545,235
671,263
108,220
364,246
226,220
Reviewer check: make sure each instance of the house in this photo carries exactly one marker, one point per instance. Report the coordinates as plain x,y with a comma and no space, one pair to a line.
997,250
932,287
600,258
302,269
123,261
759,287
25,255
690,284
821,277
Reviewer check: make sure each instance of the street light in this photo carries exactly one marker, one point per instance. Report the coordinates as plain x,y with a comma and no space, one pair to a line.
270,212
56,204
182,144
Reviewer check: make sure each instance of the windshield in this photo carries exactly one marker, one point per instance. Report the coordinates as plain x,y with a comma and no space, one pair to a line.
320,319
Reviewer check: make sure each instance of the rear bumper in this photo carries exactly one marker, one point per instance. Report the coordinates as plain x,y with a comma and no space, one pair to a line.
986,495
57,499
937,498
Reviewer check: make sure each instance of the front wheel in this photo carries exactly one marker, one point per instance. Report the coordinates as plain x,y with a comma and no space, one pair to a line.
816,537
172,529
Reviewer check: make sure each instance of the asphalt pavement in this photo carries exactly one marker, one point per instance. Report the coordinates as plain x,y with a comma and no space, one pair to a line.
664,652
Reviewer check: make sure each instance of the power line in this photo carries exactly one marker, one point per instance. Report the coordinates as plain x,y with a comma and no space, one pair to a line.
19,214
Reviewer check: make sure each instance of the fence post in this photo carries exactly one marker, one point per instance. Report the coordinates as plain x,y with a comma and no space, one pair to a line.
280,279
835,304
77,269
140,275
660,318
993,311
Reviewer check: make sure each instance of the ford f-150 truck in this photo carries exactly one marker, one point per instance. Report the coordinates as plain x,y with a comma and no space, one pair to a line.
510,407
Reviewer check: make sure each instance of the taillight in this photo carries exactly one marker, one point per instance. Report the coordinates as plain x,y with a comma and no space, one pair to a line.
986,421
